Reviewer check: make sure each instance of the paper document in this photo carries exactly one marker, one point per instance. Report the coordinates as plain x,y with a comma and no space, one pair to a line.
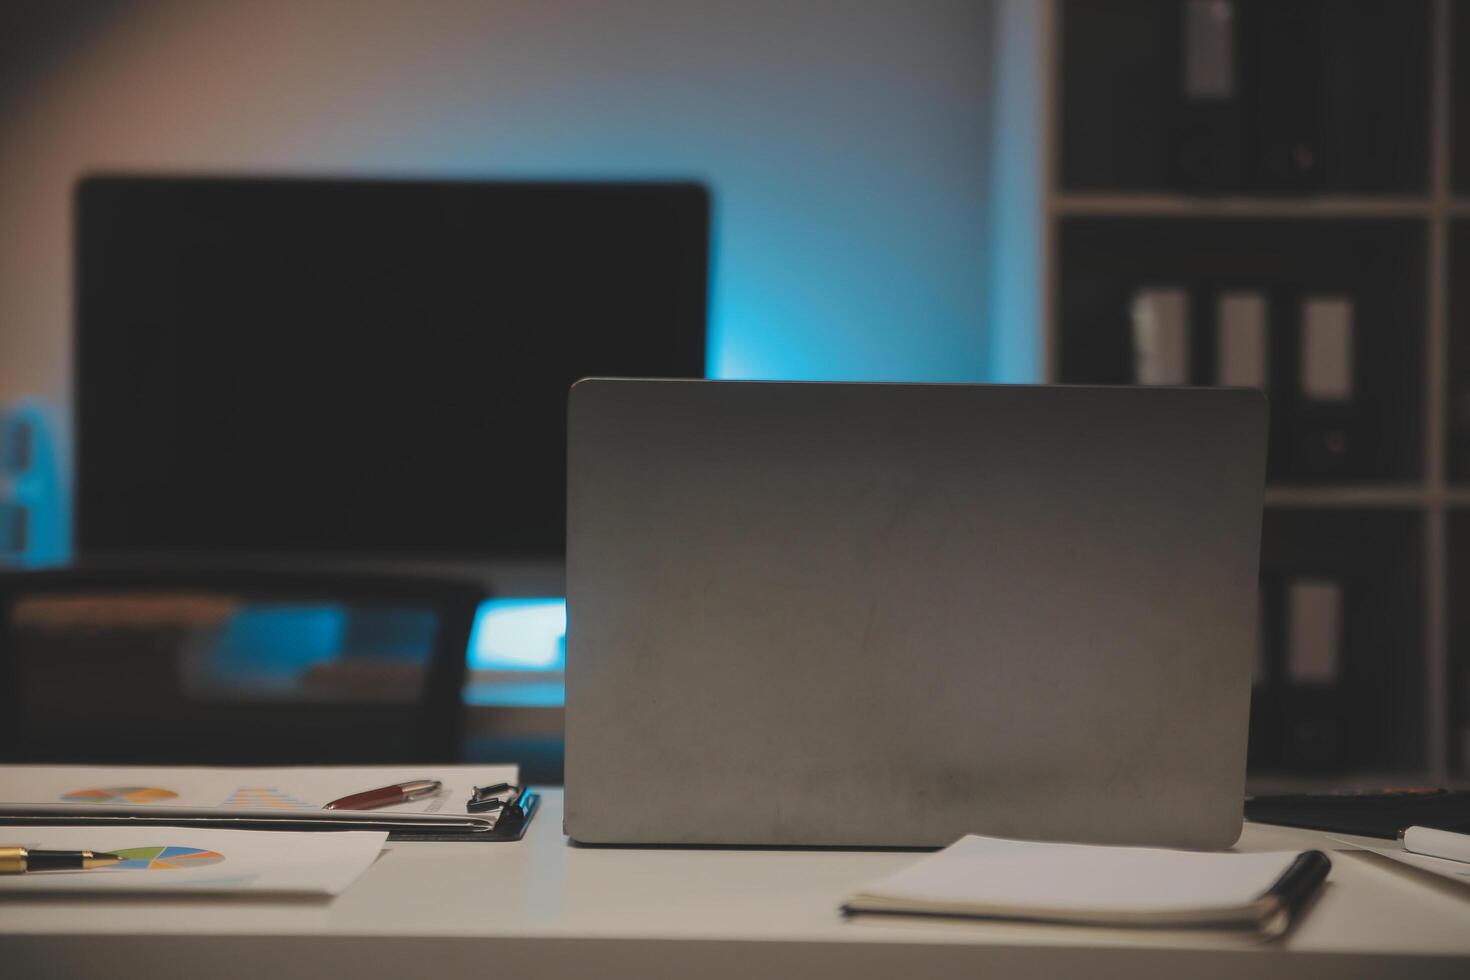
286,794
172,859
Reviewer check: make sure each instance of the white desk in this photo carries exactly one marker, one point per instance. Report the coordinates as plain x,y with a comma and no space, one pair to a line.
541,908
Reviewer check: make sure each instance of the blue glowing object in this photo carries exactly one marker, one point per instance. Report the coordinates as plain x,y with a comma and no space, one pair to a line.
34,531
520,634
271,645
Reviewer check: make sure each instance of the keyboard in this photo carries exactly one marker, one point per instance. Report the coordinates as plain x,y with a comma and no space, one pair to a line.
1370,813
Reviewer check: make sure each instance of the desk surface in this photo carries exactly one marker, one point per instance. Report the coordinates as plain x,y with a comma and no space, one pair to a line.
541,907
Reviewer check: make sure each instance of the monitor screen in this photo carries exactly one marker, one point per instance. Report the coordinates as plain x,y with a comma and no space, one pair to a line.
365,367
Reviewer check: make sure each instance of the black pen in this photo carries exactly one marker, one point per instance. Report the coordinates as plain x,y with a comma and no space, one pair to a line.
22,860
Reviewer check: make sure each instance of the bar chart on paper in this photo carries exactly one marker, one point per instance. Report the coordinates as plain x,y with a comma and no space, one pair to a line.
120,794
266,796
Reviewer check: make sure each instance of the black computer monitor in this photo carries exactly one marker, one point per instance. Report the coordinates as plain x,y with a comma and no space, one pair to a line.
361,367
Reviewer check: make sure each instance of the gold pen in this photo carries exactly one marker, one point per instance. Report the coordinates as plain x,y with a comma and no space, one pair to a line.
20,860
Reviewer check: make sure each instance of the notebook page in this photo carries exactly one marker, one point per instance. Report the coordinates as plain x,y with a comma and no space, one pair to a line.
994,873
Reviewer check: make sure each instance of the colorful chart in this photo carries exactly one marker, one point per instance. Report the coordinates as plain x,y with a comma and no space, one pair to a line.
120,794
165,858
266,796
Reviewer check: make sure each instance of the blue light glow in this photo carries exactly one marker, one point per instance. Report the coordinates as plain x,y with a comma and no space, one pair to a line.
863,160
520,634
1014,352
515,694
271,645
31,489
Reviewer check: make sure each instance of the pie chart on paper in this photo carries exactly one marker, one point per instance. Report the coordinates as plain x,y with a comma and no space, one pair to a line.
120,794
165,858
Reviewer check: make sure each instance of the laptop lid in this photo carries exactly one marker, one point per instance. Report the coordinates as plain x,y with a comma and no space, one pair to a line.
894,614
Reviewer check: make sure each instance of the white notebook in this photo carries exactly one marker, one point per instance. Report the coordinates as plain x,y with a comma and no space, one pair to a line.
1084,884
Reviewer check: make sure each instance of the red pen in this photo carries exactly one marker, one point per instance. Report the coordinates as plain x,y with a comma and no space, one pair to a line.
386,795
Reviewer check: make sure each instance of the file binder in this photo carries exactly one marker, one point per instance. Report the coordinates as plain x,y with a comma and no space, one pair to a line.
1326,414
1209,138
1290,79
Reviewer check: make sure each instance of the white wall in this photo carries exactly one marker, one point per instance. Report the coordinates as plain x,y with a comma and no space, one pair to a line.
845,142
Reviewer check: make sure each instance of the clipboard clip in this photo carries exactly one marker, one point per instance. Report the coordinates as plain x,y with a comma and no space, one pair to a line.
483,799
515,804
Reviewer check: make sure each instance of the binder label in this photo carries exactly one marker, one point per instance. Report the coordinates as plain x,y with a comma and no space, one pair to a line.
1327,348
1161,337
1315,629
1209,49
1240,340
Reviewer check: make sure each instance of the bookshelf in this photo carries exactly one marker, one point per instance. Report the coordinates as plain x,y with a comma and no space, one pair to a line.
1386,220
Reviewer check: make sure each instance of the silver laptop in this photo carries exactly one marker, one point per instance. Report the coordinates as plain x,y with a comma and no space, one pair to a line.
893,614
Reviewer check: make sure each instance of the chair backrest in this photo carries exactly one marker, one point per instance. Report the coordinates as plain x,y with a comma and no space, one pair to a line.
190,666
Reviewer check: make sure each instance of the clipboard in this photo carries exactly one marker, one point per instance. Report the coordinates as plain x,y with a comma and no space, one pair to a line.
508,823
268,799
